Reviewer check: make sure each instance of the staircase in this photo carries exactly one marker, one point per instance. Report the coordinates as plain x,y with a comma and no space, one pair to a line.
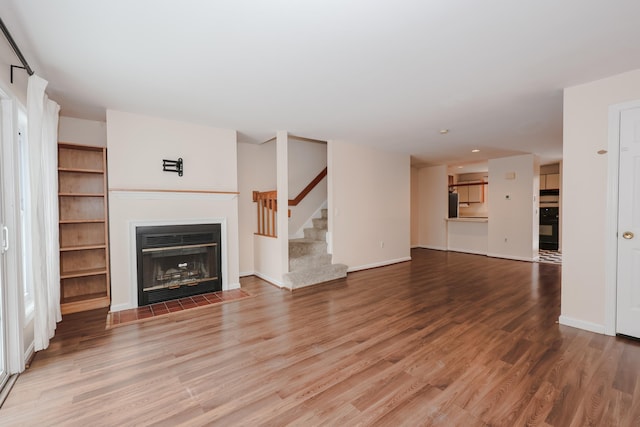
309,262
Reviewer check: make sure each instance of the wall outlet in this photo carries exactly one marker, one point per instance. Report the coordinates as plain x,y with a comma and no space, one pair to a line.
381,244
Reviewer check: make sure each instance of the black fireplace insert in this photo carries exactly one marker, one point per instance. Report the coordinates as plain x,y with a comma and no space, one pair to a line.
176,261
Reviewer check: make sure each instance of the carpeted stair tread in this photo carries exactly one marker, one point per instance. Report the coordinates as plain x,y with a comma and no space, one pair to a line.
300,247
312,276
320,223
309,261
315,234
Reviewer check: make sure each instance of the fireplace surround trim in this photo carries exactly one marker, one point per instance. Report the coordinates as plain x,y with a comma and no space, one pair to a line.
133,273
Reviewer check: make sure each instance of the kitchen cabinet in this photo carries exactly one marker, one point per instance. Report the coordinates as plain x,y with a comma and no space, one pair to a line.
463,194
550,181
84,241
470,192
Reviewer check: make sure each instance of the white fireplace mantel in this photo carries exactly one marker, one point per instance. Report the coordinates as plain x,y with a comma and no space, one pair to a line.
129,209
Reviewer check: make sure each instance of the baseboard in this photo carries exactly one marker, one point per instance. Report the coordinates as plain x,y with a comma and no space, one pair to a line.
120,307
467,251
378,264
435,248
515,258
246,273
271,280
581,324
28,355
231,286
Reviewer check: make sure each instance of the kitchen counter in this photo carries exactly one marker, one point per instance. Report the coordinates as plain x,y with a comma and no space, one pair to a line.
467,234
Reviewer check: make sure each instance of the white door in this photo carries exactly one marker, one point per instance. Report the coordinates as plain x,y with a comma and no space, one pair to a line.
628,283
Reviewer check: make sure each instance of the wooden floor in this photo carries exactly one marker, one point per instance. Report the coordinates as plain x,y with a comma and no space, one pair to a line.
447,339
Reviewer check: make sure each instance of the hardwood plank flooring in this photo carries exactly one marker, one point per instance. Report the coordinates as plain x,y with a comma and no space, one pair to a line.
447,339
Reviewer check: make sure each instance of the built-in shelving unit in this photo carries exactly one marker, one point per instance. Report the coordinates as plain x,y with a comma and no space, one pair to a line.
84,241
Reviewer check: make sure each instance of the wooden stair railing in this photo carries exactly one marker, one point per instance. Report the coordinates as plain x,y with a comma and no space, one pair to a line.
267,208
306,190
267,202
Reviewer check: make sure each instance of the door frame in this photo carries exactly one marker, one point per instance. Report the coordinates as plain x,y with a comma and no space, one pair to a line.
611,237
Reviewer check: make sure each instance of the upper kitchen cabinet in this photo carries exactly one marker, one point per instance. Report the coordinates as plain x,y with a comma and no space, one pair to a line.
470,192
550,177
550,181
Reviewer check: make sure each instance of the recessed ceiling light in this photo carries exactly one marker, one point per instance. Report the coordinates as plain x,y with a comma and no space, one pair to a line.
475,150
444,131
460,167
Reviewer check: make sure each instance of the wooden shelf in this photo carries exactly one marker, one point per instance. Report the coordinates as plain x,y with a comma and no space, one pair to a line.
84,242
98,171
85,303
80,194
81,248
81,221
83,273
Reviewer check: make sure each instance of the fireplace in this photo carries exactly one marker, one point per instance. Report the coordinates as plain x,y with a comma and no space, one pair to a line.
176,261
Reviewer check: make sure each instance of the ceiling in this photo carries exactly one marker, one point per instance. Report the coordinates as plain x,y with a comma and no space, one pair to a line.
390,74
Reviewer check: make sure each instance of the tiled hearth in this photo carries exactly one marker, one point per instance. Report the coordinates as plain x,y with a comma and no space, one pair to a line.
133,315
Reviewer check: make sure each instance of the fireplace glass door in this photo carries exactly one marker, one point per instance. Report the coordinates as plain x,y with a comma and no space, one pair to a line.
177,261
173,267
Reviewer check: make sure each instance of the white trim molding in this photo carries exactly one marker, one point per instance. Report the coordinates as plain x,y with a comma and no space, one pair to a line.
467,251
581,324
378,264
271,280
515,258
172,195
435,248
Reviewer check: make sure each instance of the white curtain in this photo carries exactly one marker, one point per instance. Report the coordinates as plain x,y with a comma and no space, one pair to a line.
42,116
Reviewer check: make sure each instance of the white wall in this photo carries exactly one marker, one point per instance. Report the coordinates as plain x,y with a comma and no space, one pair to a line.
369,205
584,196
79,131
256,172
433,207
513,210
415,207
468,236
136,145
306,160
266,259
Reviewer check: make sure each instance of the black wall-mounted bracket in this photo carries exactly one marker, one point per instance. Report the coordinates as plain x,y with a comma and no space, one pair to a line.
16,66
14,46
172,166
